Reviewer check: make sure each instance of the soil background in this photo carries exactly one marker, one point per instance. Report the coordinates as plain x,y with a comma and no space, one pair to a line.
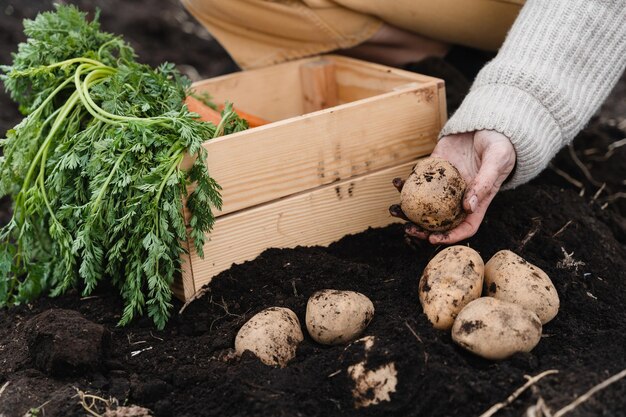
576,209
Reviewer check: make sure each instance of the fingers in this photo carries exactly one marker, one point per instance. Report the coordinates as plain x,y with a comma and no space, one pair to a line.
482,187
414,230
410,228
497,159
467,229
396,211
398,183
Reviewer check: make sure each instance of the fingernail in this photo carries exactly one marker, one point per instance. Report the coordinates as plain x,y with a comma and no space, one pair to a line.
473,202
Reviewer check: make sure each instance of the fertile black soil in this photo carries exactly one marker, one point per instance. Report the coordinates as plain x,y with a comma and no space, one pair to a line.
574,232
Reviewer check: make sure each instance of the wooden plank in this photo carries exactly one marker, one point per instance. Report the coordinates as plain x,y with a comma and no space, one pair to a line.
443,107
357,80
319,217
283,158
319,86
184,287
275,93
272,93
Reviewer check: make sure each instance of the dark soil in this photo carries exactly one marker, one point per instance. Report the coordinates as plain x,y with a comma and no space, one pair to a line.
47,349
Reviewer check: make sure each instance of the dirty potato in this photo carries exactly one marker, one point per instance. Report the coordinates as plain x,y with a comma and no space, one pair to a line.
335,317
373,373
432,195
453,278
372,385
509,277
273,335
496,329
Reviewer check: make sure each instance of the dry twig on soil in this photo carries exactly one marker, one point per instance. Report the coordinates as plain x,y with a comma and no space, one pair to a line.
4,387
566,176
539,410
90,403
597,194
533,230
197,294
568,261
419,339
589,393
610,151
581,166
562,229
531,381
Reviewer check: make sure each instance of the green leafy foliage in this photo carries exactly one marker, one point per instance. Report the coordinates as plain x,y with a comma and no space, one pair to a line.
94,168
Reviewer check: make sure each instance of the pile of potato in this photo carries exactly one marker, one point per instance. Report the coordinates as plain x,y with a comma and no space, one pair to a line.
332,317
520,296
519,299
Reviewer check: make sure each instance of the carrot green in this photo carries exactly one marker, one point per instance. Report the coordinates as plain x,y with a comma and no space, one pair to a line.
94,168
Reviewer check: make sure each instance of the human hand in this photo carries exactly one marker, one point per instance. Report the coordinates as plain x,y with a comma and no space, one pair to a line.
485,159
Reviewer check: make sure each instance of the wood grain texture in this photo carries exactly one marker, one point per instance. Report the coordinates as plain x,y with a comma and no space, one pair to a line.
184,287
319,85
311,179
275,93
301,153
318,217
272,93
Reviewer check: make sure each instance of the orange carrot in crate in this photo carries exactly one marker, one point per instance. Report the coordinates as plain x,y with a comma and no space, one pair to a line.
206,113
253,121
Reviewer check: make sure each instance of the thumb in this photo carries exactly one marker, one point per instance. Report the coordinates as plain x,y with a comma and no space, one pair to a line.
484,186
497,159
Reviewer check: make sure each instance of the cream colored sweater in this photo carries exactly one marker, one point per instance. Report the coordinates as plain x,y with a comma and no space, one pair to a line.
558,63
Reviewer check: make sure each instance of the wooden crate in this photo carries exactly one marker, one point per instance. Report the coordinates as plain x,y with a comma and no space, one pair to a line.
341,130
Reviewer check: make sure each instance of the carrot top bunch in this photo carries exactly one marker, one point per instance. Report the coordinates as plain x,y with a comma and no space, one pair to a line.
94,168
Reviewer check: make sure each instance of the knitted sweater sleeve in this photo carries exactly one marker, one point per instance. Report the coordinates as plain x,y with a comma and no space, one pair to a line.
558,63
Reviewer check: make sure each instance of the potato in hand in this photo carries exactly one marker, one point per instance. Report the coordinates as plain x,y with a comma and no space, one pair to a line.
432,196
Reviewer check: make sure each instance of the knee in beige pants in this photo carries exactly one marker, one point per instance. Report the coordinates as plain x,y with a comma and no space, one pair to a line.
258,33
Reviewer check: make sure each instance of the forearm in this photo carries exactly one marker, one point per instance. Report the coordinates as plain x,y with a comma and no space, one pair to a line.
556,67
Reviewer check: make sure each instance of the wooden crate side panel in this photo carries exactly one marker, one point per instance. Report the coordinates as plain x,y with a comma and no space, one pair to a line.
274,161
443,107
275,93
319,85
357,80
272,93
184,287
319,217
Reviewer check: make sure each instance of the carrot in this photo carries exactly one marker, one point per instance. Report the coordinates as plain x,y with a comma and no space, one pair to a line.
206,113
253,121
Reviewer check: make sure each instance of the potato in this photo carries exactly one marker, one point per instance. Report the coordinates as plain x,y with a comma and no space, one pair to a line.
453,278
373,385
374,375
432,195
273,335
496,329
336,317
508,277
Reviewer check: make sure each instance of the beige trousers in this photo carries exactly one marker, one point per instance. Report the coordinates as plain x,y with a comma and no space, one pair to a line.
258,33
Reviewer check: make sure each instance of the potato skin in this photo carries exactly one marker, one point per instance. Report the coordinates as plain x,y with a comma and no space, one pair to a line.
432,196
273,335
496,329
372,386
453,278
335,317
509,277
